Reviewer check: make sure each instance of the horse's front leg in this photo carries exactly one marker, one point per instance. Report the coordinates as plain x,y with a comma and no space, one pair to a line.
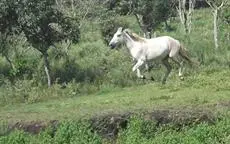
136,68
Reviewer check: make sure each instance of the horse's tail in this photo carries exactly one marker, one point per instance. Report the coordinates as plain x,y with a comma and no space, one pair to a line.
184,54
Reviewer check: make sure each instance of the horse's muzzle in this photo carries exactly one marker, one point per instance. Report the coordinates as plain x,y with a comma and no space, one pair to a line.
112,46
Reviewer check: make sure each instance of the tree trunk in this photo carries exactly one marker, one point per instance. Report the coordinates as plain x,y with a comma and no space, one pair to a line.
186,15
215,8
147,34
47,68
73,8
167,26
10,62
189,15
181,11
215,33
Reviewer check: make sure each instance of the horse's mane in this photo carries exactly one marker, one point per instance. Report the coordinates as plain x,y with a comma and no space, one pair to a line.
134,36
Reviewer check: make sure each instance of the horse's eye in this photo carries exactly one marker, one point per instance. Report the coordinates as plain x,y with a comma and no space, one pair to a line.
119,35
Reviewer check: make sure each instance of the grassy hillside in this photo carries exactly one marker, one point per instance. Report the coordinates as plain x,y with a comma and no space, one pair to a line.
206,89
90,66
196,109
94,81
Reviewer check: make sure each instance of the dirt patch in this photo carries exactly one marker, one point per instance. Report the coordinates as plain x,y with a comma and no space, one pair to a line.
109,126
33,127
182,117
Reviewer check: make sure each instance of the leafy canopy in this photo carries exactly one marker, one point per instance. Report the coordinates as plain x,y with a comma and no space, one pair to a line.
8,23
44,25
153,12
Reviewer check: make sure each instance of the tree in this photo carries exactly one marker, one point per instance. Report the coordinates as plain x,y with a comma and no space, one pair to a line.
216,6
77,8
44,25
225,17
8,27
149,13
186,15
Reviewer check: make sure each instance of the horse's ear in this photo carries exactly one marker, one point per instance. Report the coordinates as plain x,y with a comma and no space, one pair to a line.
120,29
126,30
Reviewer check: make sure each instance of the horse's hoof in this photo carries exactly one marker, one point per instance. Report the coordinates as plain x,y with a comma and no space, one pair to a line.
152,79
143,77
163,82
181,78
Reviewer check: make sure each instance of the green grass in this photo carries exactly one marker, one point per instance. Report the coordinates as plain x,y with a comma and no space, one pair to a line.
101,83
198,90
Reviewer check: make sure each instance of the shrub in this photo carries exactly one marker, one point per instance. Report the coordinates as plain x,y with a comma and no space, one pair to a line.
76,132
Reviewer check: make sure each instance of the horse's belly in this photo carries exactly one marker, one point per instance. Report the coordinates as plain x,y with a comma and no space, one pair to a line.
157,54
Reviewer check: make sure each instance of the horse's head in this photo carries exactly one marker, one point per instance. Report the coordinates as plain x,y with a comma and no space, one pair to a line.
117,38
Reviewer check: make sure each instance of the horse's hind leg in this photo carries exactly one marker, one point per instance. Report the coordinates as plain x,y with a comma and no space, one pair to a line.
180,63
168,67
148,69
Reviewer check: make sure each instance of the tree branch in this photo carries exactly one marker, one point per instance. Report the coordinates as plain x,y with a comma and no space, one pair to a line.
211,4
222,4
83,18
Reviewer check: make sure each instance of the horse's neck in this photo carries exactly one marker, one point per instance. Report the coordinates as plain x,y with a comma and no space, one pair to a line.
129,42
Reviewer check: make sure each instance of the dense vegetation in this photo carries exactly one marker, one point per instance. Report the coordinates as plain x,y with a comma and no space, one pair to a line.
54,55
138,131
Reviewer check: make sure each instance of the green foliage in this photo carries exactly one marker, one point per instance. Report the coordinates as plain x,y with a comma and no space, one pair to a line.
72,132
138,131
110,25
225,20
17,137
225,13
44,25
8,28
68,132
8,17
168,134
90,66
23,65
4,126
150,13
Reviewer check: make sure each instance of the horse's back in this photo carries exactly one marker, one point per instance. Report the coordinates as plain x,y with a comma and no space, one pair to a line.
160,47
157,48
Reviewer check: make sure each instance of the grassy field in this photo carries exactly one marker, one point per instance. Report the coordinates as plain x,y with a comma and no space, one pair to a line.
204,89
202,92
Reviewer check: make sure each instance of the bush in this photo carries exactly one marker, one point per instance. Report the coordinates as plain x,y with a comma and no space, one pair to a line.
68,132
110,26
72,132
17,137
142,131
139,130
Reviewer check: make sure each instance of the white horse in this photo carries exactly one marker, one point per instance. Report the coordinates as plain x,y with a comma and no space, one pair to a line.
146,50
